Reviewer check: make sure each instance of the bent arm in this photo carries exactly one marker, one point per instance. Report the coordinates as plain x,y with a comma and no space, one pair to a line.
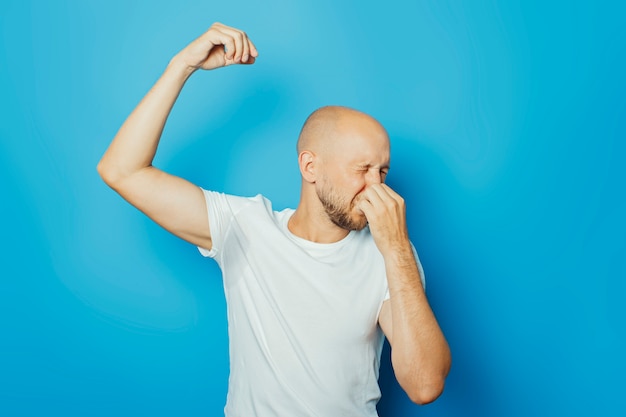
172,202
419,352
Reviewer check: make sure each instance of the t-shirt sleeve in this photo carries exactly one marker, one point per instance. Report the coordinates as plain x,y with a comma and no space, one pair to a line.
221,209
419,268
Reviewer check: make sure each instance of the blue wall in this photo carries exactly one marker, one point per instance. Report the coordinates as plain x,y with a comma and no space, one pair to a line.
506,119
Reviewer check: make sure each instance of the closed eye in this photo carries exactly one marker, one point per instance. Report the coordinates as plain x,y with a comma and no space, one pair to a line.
364,169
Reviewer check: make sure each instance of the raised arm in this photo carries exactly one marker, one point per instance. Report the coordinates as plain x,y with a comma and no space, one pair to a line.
172,202
420,355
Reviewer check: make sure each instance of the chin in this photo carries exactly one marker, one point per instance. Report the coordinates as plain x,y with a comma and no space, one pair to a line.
347,222
359,223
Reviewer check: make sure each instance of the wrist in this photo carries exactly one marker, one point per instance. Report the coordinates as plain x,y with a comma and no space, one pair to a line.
180,68
400,253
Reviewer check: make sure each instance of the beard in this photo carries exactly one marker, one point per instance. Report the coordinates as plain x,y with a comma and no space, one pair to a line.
340,211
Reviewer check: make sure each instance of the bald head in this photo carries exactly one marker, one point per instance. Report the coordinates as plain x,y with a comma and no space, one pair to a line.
326,126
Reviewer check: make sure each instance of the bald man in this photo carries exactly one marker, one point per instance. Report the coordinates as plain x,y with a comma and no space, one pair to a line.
311,292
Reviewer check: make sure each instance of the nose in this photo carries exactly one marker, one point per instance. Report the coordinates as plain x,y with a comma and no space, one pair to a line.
374,176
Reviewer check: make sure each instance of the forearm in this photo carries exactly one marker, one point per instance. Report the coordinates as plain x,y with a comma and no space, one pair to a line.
135,144
420,353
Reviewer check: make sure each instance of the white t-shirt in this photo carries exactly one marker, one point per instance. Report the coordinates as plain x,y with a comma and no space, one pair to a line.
302,316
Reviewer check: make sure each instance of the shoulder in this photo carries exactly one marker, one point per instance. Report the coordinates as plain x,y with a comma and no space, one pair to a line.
258,207
235,203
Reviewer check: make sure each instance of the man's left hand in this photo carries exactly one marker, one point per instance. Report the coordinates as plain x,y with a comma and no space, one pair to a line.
386,214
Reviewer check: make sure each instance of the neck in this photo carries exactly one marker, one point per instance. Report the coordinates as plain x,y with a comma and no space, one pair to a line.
315,226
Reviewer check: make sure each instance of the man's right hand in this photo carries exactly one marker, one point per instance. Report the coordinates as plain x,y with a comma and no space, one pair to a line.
219,46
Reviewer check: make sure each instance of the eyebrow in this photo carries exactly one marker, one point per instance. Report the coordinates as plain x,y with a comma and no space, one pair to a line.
384,166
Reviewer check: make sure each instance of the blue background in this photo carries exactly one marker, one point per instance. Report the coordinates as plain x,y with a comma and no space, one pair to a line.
507,122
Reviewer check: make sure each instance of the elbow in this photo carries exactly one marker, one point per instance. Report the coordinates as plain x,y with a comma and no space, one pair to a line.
102,171
424,380
423,386
105,173
426,393
108,174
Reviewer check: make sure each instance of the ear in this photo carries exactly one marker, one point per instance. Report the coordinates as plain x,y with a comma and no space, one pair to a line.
307,162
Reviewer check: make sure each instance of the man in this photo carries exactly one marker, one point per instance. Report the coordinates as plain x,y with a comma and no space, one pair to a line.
310,291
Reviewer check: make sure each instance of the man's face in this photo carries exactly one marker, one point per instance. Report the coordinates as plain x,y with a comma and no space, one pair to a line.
359,160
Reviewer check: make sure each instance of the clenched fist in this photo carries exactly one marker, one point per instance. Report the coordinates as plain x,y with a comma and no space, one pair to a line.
219,46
